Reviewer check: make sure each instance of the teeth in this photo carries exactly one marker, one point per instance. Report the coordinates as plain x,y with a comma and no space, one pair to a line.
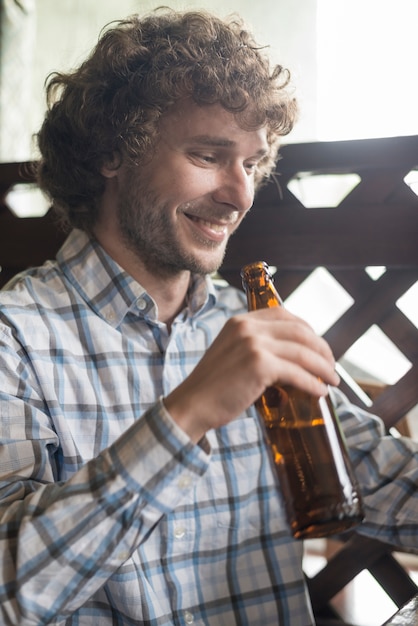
219,228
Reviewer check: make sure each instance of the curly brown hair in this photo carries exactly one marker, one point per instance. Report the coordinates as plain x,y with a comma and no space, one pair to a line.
111,105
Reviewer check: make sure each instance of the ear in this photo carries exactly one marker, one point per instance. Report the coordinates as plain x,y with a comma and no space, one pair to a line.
110,167
109,172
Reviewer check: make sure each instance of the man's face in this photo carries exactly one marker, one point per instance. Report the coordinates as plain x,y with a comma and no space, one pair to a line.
178,211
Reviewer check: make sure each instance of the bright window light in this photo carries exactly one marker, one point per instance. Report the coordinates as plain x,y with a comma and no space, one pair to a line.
408,304
322,190
375,271
367,52
411,179
320,300
372,353
27,200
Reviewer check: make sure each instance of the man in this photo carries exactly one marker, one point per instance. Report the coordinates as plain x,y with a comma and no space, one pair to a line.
135,488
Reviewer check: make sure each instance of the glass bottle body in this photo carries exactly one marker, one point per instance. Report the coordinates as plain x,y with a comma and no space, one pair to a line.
305,442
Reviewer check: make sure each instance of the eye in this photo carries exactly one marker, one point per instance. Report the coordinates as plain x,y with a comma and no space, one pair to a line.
204,157
251,166
208,158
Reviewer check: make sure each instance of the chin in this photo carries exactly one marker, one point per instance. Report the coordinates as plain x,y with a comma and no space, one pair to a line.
208,265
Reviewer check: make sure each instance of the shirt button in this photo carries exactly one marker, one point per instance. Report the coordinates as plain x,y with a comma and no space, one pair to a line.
184,482
123,556
188,617
141,304
179,532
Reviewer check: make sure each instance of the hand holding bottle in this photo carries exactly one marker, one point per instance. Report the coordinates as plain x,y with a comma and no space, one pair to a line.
253,351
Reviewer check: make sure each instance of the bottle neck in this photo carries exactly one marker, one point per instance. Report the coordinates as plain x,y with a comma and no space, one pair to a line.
259,287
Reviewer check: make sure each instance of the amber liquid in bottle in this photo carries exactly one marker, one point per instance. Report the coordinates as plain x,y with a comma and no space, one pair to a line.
306,445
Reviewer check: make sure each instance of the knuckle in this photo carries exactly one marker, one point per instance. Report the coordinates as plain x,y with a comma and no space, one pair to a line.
241,331
251,345
302,333
239,326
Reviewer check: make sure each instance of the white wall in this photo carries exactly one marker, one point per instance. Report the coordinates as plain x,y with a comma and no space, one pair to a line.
367,79
352,61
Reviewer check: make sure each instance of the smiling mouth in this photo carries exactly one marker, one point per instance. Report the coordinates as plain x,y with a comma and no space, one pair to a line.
217,227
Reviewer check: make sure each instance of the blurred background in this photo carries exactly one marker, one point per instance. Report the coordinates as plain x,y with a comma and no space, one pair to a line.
352,61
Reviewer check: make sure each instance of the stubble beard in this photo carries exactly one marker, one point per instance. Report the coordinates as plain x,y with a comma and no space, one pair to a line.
147,230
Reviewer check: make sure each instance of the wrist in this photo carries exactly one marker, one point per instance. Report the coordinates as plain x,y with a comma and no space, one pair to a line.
182,414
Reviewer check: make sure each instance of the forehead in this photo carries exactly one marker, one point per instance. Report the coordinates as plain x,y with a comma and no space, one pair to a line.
187,122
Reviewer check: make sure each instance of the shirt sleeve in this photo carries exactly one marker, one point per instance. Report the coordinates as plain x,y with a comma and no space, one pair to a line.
61,541
386,467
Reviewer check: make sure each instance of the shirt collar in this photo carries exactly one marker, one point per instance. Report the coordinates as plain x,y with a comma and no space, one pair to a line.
110,291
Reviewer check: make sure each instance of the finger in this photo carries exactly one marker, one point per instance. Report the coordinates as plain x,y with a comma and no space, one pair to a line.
299,328
288,328
289,341
284,362
307,358
295,376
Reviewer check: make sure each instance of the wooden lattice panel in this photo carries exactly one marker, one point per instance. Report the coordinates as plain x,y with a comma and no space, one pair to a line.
376,224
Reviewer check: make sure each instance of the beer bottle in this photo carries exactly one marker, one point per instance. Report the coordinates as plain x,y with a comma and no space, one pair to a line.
307,449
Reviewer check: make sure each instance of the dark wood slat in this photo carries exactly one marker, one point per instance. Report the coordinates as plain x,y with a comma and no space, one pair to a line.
303,238
351,155
396,400
12,173
25,242
368,309
342,568
400,330
395,581
375,188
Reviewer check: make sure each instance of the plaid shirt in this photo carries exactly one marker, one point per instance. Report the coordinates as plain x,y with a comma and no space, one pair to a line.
109,515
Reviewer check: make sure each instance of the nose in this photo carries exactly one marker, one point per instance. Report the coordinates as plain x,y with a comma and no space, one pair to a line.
235,187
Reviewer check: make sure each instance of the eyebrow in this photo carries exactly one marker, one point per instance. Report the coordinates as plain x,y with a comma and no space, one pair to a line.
221,142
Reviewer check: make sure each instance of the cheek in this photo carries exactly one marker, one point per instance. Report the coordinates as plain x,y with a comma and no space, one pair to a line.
190,186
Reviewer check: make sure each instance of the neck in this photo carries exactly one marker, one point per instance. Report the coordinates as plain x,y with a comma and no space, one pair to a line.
168,291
